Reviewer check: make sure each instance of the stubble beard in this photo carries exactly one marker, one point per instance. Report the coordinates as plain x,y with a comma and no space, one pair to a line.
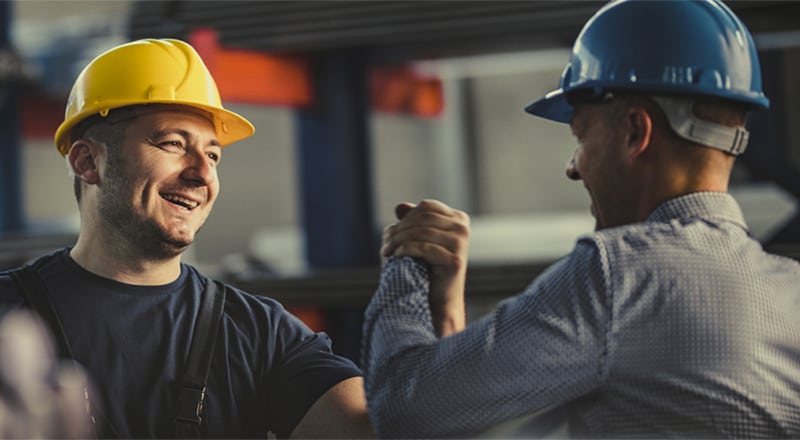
140,235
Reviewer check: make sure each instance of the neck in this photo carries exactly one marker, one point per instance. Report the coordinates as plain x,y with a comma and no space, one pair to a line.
668,179
122,263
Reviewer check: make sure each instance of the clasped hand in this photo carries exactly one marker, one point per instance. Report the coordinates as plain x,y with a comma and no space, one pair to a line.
439,235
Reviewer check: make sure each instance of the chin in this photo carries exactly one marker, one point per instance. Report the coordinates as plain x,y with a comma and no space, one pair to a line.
172,248
180,242
176,243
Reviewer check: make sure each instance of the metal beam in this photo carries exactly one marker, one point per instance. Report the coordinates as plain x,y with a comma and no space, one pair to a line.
11,210
335,166
338,217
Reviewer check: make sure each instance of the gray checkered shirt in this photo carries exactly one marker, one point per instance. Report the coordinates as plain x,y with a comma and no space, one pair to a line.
680,326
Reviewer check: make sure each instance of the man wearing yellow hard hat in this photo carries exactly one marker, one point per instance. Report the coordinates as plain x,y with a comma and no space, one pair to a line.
170,352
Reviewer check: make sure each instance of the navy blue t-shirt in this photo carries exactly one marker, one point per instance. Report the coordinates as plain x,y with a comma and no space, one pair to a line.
268,367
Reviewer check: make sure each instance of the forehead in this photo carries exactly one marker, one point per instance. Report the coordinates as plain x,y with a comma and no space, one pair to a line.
163,118
578,121
585,114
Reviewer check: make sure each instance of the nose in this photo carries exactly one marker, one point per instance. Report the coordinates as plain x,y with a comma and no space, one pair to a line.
199,169
572,169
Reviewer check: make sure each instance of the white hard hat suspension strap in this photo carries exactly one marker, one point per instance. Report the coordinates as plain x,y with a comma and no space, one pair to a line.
681,118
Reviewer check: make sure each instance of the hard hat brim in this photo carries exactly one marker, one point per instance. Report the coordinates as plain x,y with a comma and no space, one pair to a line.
552,106
229,126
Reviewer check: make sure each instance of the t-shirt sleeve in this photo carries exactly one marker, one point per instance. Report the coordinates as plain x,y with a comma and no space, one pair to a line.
306,368
10,297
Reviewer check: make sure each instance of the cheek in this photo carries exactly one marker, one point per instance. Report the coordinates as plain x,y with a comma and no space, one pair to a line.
213,189
584,162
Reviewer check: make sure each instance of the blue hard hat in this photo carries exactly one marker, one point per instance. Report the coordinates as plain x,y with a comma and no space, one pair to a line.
688,47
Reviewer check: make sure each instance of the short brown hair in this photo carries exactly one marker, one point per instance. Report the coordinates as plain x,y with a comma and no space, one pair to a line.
108,130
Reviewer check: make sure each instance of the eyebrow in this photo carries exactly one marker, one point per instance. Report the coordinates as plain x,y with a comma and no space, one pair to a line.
579,123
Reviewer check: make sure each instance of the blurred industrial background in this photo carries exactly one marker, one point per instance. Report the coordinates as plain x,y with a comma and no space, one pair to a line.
359,105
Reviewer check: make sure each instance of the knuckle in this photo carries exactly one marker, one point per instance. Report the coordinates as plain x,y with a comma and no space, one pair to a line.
461,229
457,261
427,203
427,216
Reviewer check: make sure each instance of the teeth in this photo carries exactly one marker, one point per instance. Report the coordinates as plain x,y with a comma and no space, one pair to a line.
180,200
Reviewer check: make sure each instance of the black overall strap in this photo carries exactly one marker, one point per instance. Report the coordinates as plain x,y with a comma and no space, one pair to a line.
34,292
192,394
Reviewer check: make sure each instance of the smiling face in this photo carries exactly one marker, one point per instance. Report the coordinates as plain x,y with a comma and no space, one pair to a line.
157,187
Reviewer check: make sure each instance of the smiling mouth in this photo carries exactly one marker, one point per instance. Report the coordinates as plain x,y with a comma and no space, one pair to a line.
180,201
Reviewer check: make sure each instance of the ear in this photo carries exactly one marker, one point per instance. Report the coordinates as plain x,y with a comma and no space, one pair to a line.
640,131
82,158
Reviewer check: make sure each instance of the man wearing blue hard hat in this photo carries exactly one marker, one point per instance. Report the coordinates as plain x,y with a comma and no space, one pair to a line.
669,320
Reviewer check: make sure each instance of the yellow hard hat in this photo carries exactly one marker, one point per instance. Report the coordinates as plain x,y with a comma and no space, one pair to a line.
149,71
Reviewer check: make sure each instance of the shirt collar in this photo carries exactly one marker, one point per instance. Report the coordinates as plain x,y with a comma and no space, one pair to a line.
717,205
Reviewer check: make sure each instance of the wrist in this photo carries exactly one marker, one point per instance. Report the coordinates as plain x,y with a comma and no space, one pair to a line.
448,320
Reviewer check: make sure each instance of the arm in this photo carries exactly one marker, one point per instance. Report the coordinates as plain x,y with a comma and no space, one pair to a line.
311,391
339,413
538,349
438,235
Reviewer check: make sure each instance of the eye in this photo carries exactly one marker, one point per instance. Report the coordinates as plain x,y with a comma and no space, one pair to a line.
171,145
214,154
578,128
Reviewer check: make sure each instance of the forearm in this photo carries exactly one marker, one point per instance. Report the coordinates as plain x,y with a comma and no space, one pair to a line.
339,413
449,317
397,322
399,314
412,377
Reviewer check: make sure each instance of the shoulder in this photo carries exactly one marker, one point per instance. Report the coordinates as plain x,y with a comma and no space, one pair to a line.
237,301
10,296
602,262
652,242
256,320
